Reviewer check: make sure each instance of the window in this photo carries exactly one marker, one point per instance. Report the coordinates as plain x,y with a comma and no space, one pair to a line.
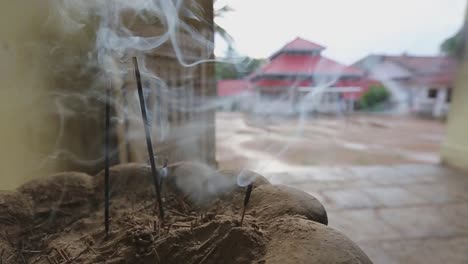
432,93
449,95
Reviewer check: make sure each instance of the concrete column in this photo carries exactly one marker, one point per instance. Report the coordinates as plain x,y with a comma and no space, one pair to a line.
455,147
44,126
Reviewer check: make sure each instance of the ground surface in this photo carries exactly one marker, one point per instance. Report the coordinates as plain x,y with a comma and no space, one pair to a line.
378,177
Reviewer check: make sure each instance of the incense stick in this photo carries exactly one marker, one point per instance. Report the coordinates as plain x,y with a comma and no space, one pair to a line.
149,144
106,173
248,192
126,123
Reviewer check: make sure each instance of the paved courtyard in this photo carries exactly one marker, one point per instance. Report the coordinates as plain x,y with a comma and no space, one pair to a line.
378,178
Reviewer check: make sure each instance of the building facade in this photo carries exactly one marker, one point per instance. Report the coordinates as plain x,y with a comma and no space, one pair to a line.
417,84
299,78
178,97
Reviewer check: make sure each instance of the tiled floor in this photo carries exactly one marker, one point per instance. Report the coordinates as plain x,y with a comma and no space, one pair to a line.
405,210
397,214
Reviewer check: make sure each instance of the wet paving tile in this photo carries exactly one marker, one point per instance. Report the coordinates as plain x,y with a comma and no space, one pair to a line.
456,214
406,213
420,222
413,251
395,176
361,225
427,251
324,186
440,192
375,252
394,196
350,199
453,250
311,175
396,214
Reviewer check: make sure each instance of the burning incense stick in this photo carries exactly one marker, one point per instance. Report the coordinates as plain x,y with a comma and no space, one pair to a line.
149,144
106,156
248,192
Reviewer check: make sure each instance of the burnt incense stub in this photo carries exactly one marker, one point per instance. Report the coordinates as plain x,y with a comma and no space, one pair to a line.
196,230
248,192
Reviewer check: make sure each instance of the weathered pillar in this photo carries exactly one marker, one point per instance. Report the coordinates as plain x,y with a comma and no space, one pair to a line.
455,147
49,120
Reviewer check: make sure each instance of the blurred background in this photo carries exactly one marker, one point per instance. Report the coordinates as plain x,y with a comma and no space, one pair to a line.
361,104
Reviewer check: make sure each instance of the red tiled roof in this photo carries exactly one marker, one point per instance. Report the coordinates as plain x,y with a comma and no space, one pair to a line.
441,80
302,44
425,65
289,64
283,83
437,71
429,70
232,87
302,68
298,45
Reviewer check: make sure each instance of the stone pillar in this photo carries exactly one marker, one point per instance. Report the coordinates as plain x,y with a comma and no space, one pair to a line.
49,119
455,147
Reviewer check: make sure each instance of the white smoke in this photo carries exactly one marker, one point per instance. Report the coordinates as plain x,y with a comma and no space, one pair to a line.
201,182
116,41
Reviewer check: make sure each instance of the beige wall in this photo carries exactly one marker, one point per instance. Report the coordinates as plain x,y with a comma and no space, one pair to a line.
22,82
38,51
455,147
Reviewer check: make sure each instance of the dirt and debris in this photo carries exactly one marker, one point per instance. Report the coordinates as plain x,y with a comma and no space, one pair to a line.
59,219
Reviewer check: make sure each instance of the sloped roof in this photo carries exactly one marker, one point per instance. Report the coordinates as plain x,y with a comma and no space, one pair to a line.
302,44
286,64
423,70
439,80
298,45
425,65
232,87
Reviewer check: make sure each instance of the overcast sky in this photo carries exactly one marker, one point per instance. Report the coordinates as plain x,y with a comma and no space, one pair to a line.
350,29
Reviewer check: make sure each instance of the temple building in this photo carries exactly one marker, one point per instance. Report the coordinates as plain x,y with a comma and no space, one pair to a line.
298,77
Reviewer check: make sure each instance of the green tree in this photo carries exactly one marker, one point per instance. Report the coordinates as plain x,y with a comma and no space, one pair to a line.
234,66
453,46
376,95
220,12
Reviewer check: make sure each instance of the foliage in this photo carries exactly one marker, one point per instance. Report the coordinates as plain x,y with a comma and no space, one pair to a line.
234,66
237,70
220,12
453,46
376,95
